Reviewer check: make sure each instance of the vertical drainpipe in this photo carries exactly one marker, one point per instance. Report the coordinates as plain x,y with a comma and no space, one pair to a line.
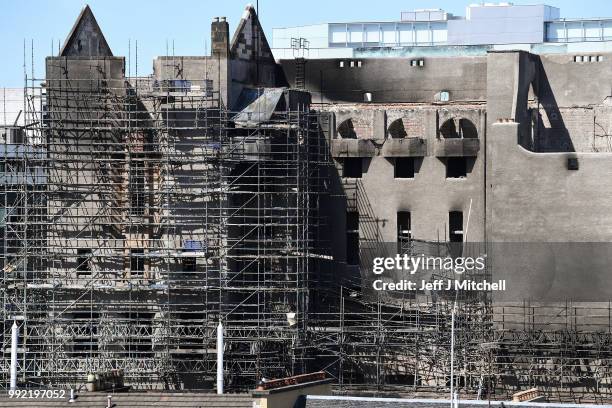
220,358
14,343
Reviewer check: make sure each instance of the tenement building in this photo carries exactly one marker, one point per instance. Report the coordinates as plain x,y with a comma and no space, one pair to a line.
142,211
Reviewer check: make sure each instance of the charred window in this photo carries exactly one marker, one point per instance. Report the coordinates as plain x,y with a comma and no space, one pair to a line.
189,265
458,128
403,225
397,130
456,167
404,167
352,238
352,167
346,130
83,266
455,226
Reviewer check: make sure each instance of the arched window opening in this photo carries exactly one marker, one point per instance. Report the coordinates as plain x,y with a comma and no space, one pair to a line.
462,128
346,130
467,129
397,129
448,130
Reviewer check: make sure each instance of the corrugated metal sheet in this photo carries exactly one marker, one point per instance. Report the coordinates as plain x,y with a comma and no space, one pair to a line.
261,109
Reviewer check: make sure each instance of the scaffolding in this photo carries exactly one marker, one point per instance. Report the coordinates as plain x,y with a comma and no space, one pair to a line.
373,346
376,343
139,213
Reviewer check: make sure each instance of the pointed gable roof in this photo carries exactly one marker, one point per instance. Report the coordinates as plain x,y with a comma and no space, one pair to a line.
86,38
249,41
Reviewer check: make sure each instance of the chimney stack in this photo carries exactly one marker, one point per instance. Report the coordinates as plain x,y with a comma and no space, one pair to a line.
219,32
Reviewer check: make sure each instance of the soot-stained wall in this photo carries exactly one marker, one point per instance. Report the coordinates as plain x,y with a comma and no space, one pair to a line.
392,80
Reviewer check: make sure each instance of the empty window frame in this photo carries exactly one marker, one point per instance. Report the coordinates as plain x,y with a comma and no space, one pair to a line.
352,167
137,188
346,130
403,167
352,238
455,226
397,130
462,128
137,262
83,266
403,225
456,167
208,87
189,265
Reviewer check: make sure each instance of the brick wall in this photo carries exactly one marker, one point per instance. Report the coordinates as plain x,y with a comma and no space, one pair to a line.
576,129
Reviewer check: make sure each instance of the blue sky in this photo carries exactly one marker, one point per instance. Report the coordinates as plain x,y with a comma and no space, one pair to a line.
154,23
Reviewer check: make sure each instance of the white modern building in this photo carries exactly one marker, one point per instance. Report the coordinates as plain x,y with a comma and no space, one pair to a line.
486,26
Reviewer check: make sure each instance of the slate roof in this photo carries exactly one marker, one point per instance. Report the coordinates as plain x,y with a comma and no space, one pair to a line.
86,38
249,41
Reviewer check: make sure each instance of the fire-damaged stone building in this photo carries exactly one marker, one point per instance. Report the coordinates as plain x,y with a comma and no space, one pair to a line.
255,192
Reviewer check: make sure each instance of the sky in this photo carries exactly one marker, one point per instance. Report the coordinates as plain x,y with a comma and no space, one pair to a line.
156,25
